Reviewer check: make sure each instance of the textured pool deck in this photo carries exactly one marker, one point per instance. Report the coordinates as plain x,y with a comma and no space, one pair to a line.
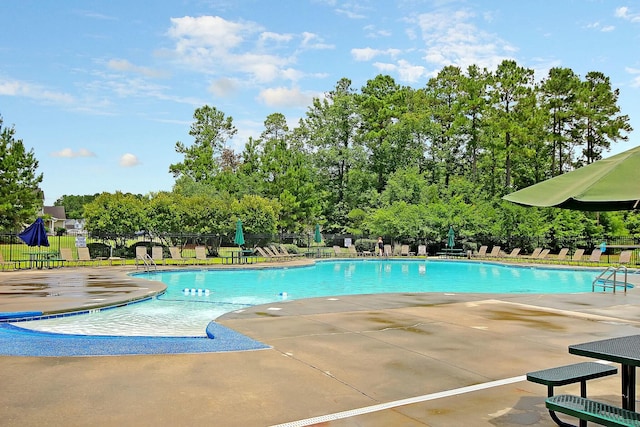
428,359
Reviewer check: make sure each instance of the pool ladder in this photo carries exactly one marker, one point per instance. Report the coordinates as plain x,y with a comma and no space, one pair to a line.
147,263
609,279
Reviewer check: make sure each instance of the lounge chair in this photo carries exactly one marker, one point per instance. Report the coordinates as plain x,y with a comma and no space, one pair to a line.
284,250
156,254
562,255
353,251
595,255
387,250
84,257
514,253
543,254
482,252
625,257
267,254
142,254
201,254
422,250
536,253
495,252
577,255
337,251
66,255
404,250
176,256
4,263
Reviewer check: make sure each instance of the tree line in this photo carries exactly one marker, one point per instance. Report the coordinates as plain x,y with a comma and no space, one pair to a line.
393,160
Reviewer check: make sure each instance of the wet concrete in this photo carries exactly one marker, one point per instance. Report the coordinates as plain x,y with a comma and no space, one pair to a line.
414,355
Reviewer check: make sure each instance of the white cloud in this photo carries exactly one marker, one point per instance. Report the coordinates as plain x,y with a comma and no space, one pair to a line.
451,38
69,153
28,90
599,27
367,53
624,13
636,73
214,45
286,97
126,66
128,160
223,87
313,41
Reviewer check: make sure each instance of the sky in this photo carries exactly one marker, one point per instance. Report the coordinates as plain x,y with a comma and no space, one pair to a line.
101,91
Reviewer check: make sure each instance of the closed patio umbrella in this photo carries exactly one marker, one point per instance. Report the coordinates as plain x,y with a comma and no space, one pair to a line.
317,237
35,234
451,238
606,185
239,238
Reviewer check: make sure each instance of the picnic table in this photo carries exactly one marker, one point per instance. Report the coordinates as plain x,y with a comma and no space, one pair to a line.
244,256
623,350
451,252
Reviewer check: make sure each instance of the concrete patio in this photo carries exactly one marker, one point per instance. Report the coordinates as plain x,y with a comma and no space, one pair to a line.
427,359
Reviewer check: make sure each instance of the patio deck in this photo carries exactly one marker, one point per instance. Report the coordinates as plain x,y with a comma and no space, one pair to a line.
427,359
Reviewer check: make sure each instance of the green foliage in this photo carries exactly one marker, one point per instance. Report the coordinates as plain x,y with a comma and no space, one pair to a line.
20,194
74,205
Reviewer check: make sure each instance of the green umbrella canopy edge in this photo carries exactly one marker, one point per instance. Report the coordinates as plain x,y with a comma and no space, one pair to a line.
606,185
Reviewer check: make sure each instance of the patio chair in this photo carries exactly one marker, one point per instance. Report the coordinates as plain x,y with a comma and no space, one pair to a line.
267,254
422,250
595,255
536,253
337,251
625,257
387,250
562,255
157,254
543,254
176,256
4,263
141,254
84,257
66,255
284,250
495,252
482,252
353,251
514,253
201,254
577,255
404,250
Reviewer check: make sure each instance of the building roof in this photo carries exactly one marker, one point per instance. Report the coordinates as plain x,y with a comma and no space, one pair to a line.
56,212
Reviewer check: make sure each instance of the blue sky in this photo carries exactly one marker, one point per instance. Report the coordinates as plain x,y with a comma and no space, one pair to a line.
102,90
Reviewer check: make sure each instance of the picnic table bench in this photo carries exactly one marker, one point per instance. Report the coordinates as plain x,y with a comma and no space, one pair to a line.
454,252
590,410
569,374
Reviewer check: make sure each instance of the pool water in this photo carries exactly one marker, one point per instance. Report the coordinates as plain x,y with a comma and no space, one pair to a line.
196,297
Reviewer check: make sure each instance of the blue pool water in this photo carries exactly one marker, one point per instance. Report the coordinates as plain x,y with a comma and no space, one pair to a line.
196,297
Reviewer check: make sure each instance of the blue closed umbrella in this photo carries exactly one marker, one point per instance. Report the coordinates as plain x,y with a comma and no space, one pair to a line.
35,234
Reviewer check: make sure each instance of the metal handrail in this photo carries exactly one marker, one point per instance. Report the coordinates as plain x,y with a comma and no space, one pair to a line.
608,282
147,261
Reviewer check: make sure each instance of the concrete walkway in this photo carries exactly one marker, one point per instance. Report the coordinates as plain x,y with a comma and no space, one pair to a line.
371,360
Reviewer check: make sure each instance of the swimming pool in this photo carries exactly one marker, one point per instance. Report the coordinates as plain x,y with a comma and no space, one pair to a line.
196,297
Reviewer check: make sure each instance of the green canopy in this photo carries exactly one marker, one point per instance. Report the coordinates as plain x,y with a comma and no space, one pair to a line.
239,239
606,185
317,236
451,238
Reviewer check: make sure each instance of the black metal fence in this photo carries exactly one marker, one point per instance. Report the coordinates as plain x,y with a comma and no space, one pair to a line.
123,246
